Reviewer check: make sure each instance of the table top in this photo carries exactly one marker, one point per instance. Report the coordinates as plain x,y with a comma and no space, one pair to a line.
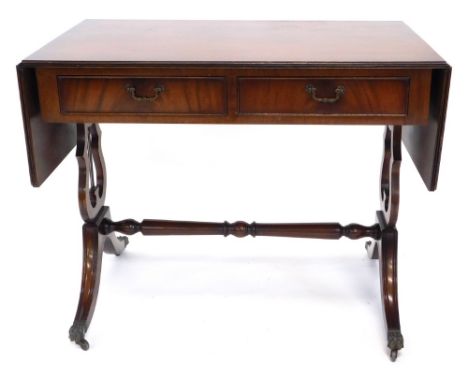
229,50
255,42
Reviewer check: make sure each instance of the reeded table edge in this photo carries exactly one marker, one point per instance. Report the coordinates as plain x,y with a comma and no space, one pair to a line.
264,64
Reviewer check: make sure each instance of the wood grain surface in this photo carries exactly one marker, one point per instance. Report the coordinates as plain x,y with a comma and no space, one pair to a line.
326,52
128,41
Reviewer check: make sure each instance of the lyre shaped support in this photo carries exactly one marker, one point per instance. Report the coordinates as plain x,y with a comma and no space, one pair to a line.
99,230
92,171
386,248
91,196
390,175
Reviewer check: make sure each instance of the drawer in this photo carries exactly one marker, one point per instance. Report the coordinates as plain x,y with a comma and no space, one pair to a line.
142,95
341,96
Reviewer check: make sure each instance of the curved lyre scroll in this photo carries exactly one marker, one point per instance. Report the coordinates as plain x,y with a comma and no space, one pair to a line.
386,248
91,197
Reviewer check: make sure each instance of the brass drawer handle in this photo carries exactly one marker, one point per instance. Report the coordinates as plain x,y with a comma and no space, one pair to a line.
312,90
158,90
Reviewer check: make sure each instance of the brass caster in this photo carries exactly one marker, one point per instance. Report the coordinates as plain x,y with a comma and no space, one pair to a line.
115,245
77,333
372,249
123,239
395,343
83,344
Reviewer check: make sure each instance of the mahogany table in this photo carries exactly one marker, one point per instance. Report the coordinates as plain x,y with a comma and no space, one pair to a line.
241,72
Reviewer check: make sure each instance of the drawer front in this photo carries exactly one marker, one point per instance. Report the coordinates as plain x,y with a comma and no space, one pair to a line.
142,95
324,96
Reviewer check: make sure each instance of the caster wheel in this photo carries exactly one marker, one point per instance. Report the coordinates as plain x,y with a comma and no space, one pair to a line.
77,334
84,344
115,245
123,239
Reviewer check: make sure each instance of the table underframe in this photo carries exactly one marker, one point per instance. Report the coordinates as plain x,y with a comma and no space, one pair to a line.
99,230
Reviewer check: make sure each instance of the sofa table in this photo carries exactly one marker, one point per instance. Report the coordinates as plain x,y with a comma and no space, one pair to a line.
232,72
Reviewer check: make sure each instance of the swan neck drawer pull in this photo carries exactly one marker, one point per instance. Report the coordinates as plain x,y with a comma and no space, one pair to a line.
158,90
312,90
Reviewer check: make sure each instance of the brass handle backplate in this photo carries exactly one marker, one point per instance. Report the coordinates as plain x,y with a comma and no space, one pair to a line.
312,90
157,93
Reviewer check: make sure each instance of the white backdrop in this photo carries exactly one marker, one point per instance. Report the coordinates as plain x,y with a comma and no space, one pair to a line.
224,309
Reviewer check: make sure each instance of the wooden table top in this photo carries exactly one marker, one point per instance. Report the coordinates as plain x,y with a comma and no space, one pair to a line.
241,42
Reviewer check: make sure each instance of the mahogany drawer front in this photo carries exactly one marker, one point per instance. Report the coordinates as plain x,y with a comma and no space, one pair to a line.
142,95
241,95
324,96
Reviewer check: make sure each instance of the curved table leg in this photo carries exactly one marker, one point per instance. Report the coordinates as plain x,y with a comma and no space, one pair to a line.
94,244
91,196
92,259
386,247
389,284
388,251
